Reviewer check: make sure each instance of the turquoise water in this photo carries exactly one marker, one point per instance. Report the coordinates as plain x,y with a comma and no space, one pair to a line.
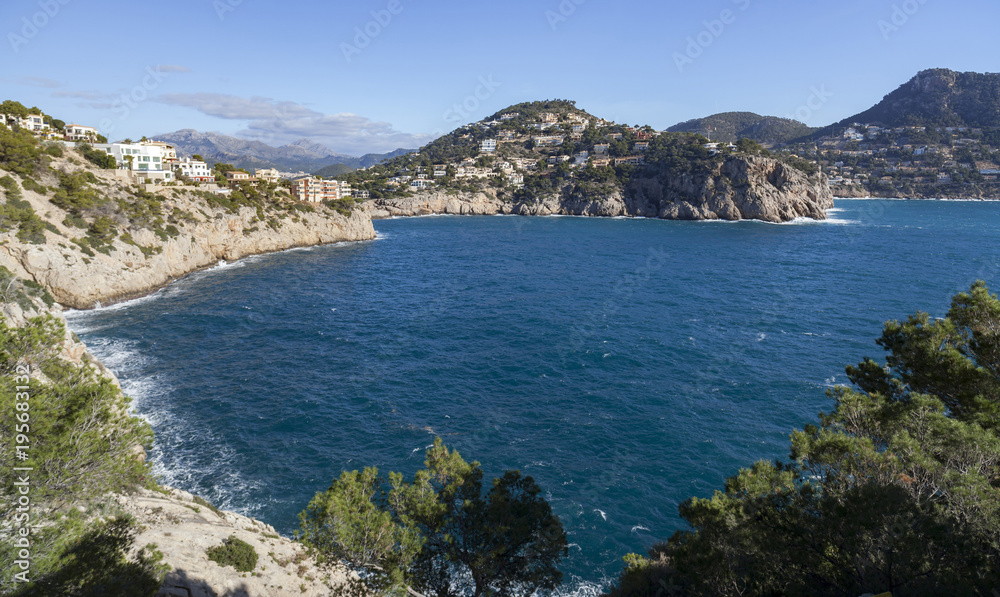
625,364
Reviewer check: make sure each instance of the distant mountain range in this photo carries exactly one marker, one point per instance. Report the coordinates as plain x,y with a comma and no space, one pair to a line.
733,126
304,154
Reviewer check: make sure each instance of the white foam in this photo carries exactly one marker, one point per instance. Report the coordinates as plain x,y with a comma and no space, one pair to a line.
811,222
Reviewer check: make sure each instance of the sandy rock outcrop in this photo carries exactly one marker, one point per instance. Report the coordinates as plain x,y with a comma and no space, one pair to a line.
183,530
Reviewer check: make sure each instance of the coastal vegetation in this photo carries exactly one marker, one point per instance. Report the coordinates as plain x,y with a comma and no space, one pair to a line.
439,534
70,434
234,552
896,490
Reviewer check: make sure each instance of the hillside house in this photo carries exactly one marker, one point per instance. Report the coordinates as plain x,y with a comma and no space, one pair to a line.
195,170
315,190
548,141
79,132
270,175
144,161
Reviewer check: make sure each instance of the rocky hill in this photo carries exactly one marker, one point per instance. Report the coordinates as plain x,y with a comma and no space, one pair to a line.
551,157
935,98
730,127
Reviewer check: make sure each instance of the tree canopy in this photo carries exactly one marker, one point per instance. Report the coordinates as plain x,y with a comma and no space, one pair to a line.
439,534
895,490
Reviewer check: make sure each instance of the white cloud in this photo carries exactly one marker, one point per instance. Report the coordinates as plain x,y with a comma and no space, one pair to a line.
38,82
279,122
91,95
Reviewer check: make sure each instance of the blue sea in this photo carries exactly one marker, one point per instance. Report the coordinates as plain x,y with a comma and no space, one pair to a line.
625,364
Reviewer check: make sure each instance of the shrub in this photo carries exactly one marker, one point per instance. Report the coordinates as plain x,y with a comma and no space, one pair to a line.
29,184
19,152
97,157
54,149
75,193
18,213
234,552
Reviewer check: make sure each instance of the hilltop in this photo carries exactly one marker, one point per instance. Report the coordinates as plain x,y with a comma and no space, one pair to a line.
730,127
935,98
552,157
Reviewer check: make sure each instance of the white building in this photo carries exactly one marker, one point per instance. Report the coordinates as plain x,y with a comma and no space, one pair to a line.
35,123
169,152
488,145
78,132
145,161
196,170
548,141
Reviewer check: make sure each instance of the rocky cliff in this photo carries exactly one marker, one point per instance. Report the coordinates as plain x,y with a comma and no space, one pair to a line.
739,188
142,257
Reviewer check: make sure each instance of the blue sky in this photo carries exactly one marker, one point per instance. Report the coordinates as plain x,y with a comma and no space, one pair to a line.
373,75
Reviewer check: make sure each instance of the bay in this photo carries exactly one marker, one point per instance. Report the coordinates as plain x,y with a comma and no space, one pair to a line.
626,364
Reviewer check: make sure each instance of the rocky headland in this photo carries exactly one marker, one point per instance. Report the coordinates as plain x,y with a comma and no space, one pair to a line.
143,255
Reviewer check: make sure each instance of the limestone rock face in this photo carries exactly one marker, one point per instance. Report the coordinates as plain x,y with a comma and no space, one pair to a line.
740,188
183,530
83,282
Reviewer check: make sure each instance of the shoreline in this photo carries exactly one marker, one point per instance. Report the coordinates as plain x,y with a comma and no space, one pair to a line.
120,302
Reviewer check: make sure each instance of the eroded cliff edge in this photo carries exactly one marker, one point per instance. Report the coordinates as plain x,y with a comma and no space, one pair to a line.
738,188
103,240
